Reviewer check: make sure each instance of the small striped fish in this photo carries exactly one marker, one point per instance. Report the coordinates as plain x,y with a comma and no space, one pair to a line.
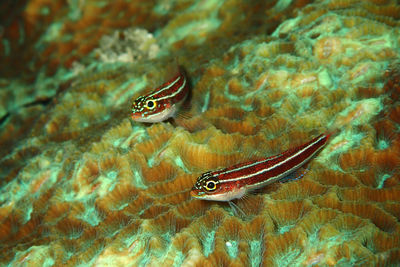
162,103
235,181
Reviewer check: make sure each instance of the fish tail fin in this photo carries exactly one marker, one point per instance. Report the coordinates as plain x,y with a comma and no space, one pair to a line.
332,132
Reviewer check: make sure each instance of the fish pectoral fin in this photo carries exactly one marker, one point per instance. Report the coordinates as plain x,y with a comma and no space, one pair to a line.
190,122
296,175
236,209
184,114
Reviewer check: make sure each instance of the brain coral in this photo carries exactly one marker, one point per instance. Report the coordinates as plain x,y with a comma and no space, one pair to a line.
82,185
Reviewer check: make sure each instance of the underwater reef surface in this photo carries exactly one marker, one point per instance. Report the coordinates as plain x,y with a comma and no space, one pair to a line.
83,185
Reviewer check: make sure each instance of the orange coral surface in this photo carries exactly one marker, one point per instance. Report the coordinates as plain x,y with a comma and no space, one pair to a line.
80,183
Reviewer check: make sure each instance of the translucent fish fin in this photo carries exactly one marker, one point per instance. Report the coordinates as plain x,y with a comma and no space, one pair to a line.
184,111
191,124
332,132
296,175
235,209
184,115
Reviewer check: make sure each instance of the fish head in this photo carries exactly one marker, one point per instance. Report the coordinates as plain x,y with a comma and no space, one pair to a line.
209,187
149,109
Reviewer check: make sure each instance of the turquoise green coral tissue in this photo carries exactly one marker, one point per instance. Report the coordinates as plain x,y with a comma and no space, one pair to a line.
82,184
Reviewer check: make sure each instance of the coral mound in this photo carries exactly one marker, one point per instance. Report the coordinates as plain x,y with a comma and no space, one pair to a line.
83,185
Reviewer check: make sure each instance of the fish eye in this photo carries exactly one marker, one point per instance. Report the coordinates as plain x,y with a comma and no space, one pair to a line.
150,104
210,185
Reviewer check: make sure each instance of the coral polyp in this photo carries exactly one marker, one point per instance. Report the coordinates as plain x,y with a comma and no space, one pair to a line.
82,184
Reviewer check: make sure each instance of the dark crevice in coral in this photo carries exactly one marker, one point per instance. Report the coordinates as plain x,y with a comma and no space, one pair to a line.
3,119
41,101
11,9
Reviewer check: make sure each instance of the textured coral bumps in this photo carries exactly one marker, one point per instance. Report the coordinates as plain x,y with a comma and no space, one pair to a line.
83,185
